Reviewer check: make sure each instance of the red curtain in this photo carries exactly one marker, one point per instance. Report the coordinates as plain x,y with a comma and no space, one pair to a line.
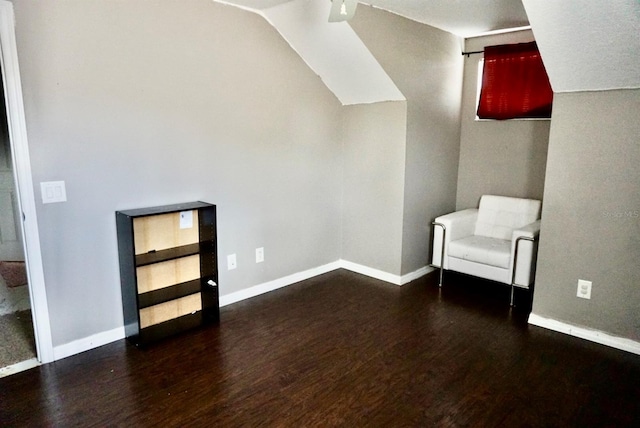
514,83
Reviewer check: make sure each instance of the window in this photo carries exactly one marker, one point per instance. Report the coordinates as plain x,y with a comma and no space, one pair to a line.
515,84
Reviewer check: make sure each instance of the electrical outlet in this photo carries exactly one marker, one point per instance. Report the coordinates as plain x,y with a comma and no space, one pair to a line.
584,289
259,255
231,262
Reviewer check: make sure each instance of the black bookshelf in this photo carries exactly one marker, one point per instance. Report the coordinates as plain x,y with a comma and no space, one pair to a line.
204,288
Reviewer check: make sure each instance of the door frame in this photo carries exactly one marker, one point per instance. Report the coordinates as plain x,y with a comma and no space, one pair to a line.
24,182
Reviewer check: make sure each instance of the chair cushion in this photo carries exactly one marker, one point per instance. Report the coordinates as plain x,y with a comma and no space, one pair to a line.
482,249
499,216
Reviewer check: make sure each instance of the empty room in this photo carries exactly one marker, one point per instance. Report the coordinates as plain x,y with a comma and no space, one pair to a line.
246,212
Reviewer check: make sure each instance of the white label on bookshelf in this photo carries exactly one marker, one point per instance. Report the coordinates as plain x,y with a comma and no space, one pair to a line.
186,219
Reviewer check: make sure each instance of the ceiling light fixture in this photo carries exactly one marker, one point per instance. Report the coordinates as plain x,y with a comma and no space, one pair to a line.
342,10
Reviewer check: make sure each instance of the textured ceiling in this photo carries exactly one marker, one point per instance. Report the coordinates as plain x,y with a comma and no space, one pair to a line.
257,4
588,45
332,50
461,17
464,18
585,44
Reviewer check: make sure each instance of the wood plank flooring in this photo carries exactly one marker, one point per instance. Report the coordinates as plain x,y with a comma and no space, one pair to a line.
343,350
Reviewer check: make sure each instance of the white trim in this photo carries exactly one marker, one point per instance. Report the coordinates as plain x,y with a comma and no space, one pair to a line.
19,367
574,91
24,184
99,339
87,343
371,272
412,276
587,334
265,287
385,276
497,32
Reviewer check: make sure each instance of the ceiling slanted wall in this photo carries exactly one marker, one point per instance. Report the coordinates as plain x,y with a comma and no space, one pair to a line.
331,50
464,18
588,48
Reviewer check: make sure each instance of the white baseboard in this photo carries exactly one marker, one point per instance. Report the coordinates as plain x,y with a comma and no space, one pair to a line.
370,272
19,367
412,276
584,333
99,339
301,276
385,276
265,287
87,343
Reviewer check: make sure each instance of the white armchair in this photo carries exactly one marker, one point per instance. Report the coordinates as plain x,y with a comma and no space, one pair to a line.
498,241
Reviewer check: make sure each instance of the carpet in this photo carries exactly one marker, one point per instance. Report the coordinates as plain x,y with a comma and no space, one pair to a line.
17,341
13,273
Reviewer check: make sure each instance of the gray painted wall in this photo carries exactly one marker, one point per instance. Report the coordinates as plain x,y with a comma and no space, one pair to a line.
498,157
374,157
138,104
591,213
426,65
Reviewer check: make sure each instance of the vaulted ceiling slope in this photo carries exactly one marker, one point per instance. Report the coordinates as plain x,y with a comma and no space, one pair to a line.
588,45
585,45
464,18
331,50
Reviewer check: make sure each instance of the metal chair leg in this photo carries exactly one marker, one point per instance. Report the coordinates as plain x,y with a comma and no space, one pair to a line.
515,263
444,233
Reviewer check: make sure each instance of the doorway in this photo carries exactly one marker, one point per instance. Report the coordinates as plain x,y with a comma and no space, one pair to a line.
17,341
23,197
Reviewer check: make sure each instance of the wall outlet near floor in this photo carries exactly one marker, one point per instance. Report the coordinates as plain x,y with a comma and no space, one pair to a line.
231,262
259,255
584,289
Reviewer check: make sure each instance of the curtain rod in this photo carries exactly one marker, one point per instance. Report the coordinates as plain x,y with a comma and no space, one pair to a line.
468,54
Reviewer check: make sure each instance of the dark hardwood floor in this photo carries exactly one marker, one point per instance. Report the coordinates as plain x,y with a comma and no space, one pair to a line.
343,350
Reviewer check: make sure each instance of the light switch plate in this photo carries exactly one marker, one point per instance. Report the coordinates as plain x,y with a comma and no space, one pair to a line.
53,191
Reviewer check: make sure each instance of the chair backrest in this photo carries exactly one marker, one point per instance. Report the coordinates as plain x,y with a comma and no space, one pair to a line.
499,216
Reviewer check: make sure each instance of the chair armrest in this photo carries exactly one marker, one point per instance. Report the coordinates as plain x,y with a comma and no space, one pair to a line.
532,230
458,225
524,272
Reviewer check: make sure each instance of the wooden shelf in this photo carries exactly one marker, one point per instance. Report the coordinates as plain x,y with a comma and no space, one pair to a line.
168,254
166,294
